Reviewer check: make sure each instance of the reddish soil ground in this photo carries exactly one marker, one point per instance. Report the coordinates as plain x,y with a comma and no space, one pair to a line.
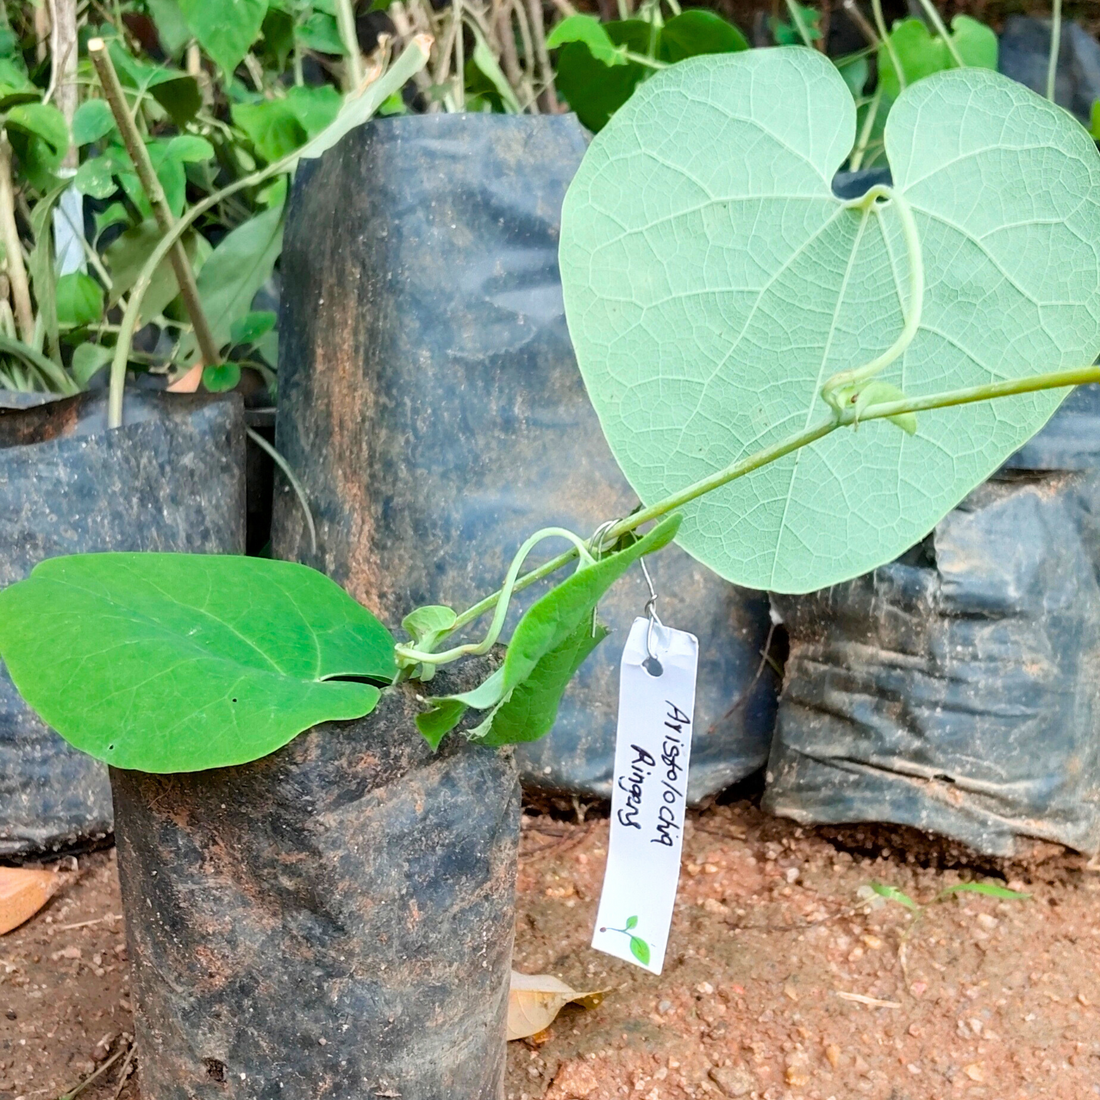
782,982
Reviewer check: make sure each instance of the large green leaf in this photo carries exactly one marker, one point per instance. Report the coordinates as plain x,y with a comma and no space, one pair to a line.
93,120
713,283
177,662
550,631
588,30
171,27
79,300
43,121
594,74
271,125
126,257
179,96
225,28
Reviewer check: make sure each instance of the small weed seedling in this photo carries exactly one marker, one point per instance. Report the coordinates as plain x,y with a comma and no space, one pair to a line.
731,317
892,893
877,894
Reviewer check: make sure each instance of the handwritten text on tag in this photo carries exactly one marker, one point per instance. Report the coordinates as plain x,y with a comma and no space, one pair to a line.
652,751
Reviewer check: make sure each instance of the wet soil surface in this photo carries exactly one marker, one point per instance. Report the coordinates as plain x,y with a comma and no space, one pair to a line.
786,976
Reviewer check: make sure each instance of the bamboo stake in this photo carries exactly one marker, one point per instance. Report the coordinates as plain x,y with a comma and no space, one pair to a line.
181,265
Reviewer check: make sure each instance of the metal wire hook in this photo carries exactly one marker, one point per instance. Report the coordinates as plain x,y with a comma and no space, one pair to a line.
595,547
595,543
651,611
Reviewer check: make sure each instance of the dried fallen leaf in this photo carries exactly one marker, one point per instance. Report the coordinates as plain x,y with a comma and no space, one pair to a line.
22,893
534,1001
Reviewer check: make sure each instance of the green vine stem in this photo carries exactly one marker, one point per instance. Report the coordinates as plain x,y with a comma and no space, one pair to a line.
345,22
799,24
411,655
864,140
643,59
1055,47
844,387
884,34
1077,376
937,22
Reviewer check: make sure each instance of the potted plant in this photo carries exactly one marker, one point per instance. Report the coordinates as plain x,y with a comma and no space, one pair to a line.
785,412
91,179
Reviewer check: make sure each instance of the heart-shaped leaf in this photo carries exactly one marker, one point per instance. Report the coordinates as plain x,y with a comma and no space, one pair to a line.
225,30
181,662
713,283
921,54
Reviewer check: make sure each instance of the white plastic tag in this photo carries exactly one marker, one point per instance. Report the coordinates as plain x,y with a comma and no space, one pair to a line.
652,751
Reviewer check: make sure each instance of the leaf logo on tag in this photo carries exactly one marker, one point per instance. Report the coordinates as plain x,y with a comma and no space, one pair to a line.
638,947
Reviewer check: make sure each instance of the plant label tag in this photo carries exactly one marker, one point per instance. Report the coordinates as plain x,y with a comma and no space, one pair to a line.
652,750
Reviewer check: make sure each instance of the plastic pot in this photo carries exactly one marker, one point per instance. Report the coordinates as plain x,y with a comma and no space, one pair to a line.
334,920
171,479
955,689
430,402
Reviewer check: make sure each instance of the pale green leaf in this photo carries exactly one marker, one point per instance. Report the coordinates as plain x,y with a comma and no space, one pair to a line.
126,257
713,283
431,619
361,104
181,662
892,893
484,58
237,268
988,889
190,149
